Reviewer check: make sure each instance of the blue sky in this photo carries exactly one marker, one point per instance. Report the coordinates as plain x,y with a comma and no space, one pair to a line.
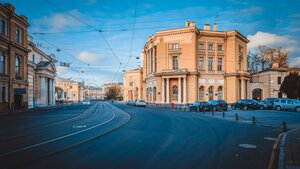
271,23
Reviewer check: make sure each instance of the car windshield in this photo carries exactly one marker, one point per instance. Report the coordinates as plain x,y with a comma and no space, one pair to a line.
196,103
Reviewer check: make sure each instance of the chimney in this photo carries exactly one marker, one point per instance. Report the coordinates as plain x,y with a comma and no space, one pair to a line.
215,27
9,7
189,24
207,27
24,18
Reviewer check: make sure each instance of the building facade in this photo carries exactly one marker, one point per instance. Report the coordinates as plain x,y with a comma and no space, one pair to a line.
92,93
133,84
68,90
266,84
13,59
189,64
41,77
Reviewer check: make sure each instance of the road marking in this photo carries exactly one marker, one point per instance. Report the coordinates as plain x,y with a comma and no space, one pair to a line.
247,146
270,138
59,138
80,126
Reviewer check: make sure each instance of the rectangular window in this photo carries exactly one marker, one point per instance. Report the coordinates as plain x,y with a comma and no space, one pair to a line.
210,63
18,35
4,93
210,47
175,46
201,63
201,46
220,47
279,80
175,62
2,64
219,64
2,27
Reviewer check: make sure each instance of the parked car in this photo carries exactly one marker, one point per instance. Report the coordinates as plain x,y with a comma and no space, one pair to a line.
262,104
86,102
129,102
217,105
140,103
286,104
269,103
245,104
197,106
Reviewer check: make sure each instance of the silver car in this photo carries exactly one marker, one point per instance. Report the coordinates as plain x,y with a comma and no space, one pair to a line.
286,104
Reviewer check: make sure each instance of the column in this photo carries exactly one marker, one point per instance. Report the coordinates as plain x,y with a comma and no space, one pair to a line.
163,90
179,90
168,90
184,90
242,89
153,60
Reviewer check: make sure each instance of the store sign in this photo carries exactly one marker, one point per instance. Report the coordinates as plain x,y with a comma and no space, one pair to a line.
20,91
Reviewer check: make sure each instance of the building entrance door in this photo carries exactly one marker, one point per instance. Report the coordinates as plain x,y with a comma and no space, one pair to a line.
210,93
18,101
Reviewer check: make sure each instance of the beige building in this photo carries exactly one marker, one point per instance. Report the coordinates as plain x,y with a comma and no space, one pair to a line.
266,84
133,84
188,64
13,59
68,90
92,93
41,76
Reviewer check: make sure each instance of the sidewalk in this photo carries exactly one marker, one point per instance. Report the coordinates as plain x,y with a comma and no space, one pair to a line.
292,150
36,109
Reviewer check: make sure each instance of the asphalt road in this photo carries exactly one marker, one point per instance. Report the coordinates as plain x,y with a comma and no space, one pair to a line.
122,136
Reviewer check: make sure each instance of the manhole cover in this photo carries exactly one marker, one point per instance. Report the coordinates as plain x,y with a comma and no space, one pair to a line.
247,146
270,138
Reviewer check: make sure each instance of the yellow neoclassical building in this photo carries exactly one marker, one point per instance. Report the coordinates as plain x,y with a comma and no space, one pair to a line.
133,84
188,64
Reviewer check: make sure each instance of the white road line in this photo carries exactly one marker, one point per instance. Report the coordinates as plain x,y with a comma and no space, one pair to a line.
247,146
270,138
59,138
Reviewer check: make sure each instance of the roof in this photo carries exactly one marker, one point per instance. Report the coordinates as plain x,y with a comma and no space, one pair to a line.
64,80
282,69
43,64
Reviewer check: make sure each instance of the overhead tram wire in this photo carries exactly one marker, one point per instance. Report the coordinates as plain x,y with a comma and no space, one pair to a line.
90,26
132,38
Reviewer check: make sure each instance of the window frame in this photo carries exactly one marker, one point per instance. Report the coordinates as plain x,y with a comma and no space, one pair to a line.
201,48
18,35
210,46
279,80
219,64
175,45
18,66
175,64
4,63
210,63
201,61
3,27
220,47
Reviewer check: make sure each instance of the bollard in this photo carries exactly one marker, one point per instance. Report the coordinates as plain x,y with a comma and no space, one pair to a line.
284,126
213,112
223,113
253,120
197,109
236,116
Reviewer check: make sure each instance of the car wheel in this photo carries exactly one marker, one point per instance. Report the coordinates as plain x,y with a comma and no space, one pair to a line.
245,108
297,109
261,107
278,108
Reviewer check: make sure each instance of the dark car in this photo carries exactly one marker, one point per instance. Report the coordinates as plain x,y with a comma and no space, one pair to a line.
197,106
217,105
269,102
245,104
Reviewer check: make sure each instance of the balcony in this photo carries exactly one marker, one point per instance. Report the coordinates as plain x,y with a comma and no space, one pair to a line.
3,76
175,50
173,71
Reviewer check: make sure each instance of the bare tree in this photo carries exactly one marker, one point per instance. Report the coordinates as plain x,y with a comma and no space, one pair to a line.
281,57
265,54
113,92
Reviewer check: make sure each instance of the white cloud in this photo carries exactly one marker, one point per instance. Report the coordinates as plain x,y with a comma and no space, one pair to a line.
89,57
91,2
58,21
272,40
295,62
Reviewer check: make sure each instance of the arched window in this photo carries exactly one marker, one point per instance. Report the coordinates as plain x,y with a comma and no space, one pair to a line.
175,92
18,66
210,93
201,93
220,93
